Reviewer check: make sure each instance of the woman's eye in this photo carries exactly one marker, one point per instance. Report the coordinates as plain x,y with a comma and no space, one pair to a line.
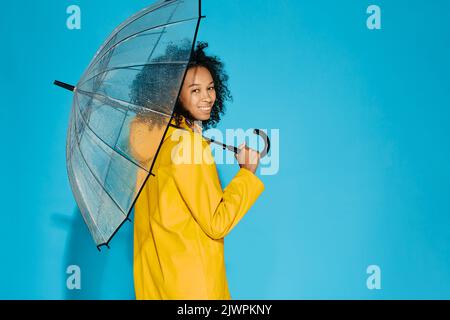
198,90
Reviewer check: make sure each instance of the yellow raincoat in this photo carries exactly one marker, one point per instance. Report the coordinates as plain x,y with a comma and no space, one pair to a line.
181,218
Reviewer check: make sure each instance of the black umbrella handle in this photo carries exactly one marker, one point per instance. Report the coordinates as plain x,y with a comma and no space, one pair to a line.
266,139
258,132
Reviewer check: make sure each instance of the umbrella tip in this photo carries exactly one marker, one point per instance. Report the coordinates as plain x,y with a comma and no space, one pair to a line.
100,245
64,85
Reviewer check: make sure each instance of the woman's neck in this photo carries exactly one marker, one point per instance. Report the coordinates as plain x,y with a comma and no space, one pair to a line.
194,125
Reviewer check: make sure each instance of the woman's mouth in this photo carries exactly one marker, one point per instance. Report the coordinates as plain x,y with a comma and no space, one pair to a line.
205,109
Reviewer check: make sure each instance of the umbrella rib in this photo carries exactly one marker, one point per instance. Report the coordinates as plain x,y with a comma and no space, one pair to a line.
71,166
106,144
137,33
85,206
93,174
93,63
163,31
131,20
130,67
121,103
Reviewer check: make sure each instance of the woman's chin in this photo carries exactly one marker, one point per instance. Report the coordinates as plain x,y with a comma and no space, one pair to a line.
203,117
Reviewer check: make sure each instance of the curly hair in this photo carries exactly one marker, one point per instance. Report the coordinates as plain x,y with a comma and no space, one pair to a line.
164,74
216,67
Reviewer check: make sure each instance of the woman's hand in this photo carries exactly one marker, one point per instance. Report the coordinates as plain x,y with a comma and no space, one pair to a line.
247,158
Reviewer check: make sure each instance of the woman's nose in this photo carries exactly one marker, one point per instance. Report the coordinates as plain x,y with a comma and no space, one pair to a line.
206,96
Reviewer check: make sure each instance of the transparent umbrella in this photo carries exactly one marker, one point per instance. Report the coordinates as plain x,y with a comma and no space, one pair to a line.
134,77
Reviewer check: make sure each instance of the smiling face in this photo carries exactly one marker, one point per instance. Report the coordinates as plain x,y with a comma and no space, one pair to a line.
198,94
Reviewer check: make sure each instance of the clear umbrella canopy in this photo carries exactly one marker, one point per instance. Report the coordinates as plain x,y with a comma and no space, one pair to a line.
121,108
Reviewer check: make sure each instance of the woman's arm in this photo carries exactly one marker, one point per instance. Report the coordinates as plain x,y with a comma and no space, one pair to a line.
217,211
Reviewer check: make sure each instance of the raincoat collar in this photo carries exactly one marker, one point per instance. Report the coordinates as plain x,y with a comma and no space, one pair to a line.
183,125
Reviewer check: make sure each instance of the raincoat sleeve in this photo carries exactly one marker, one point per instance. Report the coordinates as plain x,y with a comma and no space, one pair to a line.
217,211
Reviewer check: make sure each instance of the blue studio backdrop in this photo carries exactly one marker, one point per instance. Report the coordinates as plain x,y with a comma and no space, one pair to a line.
355,96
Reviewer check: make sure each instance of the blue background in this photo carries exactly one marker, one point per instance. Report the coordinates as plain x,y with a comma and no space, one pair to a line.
364,155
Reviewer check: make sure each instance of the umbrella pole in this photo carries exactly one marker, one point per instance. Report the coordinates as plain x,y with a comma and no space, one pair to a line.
64,85
258,132
224,146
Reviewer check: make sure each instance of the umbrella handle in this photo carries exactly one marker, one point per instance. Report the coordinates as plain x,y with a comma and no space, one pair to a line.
258,132
266,139
234,149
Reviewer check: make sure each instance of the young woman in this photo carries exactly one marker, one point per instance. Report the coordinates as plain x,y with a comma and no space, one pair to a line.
182,214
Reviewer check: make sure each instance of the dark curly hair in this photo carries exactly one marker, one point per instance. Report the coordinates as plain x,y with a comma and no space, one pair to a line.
164,74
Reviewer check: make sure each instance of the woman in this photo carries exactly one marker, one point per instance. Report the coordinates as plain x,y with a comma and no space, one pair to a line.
182,214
